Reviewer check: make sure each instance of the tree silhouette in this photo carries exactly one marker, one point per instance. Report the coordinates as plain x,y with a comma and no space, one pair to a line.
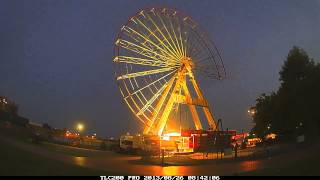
294,107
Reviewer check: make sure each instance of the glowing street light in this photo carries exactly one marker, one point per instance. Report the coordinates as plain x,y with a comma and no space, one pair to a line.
252,111
80,127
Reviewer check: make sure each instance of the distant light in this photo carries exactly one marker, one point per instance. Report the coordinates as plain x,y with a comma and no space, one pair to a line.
166,138
172,134
4,101
80,127
252,111
271,136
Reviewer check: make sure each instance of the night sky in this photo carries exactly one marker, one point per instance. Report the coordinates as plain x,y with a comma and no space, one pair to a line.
56,56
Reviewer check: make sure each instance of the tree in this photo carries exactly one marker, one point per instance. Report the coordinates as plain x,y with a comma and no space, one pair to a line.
298,78
295,105
295,68
264,116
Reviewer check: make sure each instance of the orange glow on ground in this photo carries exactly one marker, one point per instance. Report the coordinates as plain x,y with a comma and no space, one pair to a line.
171,170
80,161
250,165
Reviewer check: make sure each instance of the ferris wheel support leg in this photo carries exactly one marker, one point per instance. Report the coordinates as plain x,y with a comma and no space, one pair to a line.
207,112
195,117
164,118
192,109
169,106
159,105
210,118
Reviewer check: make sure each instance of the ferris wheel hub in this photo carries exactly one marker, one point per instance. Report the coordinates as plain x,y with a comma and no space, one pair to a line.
187,63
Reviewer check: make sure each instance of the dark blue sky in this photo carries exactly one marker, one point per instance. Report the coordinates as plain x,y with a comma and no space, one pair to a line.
56,56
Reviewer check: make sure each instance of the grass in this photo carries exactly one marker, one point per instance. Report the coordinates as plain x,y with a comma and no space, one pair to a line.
14,161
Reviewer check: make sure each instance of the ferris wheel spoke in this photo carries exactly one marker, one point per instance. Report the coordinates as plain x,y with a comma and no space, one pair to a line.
141,61
160,104
141,50
196,51
172,34
169,34
201,44
144,73
139,101
145,44
151,101
175,36
131,108
191,46
208,71
153,34
165,45
171,49
190,22
131,31
197,47
181,39
137,107
185,42
150,84
145,100
188,46
203,59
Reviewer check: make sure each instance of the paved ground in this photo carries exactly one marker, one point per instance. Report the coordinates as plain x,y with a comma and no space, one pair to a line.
123,164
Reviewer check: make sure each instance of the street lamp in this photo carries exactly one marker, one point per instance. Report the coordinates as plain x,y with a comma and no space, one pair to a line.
80,127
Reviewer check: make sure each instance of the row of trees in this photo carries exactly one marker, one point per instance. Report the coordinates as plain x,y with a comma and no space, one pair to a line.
295,107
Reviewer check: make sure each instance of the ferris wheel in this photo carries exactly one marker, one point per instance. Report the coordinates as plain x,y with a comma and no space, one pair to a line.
159,54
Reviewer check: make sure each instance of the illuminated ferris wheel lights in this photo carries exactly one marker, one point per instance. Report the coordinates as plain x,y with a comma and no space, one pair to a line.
156,50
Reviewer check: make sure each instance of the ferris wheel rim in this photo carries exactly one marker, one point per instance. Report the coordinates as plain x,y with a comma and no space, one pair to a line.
207,41
223,73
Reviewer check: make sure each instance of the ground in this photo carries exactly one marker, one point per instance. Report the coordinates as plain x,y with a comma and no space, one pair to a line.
20,157
16,161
